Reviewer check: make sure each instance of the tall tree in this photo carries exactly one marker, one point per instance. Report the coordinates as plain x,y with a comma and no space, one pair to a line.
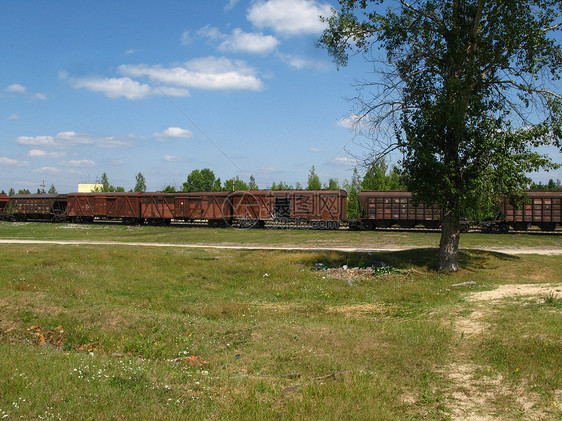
235,184
375,178
52,189
464,91
140,186
203,180
379,177
281,186
105,186
11,192
169,189
313,182
333,184
252,185
353,188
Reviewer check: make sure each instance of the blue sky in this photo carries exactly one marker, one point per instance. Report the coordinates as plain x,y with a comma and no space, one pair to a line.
166,87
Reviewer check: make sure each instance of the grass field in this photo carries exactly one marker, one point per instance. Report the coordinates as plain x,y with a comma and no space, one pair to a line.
97,332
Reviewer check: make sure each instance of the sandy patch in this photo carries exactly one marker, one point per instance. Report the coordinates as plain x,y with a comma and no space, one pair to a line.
515,290
470,393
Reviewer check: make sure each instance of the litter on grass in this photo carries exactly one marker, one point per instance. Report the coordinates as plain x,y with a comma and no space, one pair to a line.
345,271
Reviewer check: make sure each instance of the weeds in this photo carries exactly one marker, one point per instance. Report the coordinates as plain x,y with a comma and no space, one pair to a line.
552,299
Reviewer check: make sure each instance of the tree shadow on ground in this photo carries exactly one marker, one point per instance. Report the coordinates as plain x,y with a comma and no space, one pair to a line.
424,258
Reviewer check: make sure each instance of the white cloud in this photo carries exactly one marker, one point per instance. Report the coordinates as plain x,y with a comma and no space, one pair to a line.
78,163
185,38
351,122
171,91
344,161
13,117
40,96
300,63
289,17
68,139
16,87
231,4
210,73
39,153
244,42
55,170
48,170
36,140
316,150
172,158
114,87
210,32
131,51
175,132
124,87
240,41
4,161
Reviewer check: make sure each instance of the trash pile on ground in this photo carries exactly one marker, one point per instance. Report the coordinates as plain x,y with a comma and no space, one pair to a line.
346,271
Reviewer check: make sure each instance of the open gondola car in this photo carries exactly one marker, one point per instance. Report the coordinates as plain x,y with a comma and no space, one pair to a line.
25,207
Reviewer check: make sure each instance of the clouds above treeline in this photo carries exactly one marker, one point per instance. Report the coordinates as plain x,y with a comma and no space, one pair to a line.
44,148
70,139
64,140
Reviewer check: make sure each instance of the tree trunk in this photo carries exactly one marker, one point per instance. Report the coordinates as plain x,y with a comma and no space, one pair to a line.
449,245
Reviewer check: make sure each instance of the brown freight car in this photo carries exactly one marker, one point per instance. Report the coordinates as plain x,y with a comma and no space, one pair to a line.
26,207
382,209
4,198
321,209
541,208
87,207
161,208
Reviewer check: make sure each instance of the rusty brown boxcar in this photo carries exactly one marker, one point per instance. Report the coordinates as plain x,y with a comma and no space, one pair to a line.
42,206
212,207
4,198
541,208
382,209
321,209
85,207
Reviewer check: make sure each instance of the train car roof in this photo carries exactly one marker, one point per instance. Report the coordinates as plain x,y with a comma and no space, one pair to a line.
109,193
385,193
38,196
542,193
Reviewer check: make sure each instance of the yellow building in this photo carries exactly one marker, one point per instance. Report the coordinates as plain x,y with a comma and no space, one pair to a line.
87,188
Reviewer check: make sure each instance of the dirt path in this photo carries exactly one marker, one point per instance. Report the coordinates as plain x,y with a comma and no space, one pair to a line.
552,251
471,393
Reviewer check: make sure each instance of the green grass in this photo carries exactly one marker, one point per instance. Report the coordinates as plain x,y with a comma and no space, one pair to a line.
106,332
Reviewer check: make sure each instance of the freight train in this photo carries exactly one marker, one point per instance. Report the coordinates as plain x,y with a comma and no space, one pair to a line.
316,209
